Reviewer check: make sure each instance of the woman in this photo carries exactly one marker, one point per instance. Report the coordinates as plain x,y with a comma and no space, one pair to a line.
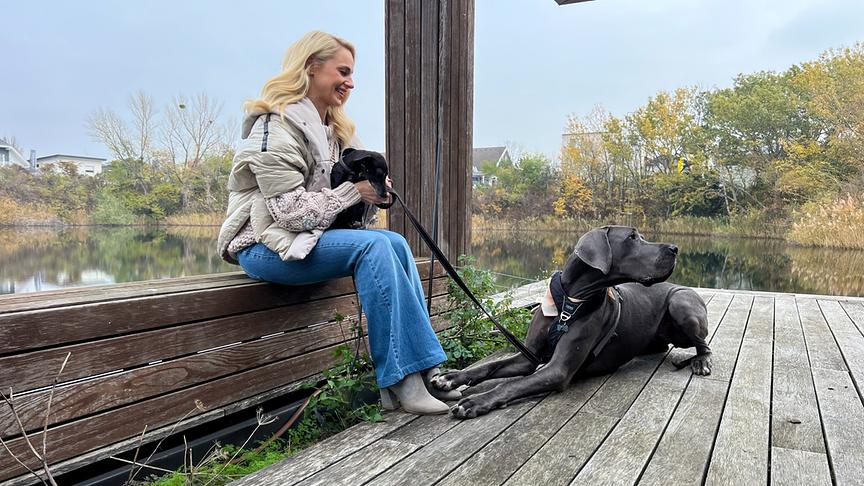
281,204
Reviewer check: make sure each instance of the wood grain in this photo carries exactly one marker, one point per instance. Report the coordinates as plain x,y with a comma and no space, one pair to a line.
742,446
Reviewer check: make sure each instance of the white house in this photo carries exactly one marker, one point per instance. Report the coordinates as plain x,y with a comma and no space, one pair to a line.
86,165
486,154
9,155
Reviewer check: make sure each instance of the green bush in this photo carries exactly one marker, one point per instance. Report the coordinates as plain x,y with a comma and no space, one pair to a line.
110,210
471,335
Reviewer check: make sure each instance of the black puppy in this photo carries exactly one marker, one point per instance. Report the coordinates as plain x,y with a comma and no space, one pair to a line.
355,166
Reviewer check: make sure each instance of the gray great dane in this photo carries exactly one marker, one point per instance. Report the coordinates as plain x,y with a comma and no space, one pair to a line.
613,286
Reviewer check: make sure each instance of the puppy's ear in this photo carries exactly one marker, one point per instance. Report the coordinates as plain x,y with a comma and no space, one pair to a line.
594,249
346,154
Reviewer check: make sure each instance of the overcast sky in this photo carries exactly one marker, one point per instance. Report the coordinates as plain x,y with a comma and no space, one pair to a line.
535,62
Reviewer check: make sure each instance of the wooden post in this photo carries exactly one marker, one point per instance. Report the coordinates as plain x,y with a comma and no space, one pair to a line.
430,83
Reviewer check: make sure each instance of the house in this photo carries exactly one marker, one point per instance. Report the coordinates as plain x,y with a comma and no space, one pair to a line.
86,165
9,155
496,155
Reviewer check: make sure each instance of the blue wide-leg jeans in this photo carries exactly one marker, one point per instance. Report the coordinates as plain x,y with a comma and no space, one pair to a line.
401,337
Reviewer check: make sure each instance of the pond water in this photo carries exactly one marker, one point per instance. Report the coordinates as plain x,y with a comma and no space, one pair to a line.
44,259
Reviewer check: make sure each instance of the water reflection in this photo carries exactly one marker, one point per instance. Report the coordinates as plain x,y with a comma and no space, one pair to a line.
729,263
42,259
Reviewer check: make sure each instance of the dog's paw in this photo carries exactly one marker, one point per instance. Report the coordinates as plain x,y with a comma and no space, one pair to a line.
701,364
447,381
471,407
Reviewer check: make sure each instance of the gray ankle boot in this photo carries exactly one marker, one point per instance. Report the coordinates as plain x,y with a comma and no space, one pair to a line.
413,397
448,396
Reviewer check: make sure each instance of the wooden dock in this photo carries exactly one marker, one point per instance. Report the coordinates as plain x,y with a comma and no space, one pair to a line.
782,406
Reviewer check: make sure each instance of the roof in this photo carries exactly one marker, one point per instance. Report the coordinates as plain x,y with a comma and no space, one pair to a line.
17,157
482,154
71,156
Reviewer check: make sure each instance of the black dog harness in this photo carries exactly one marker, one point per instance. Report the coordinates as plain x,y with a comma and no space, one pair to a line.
568,307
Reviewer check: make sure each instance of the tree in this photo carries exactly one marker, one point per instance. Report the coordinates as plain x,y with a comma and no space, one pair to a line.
124,143
750,127
833,91
667,130
192,130
574,198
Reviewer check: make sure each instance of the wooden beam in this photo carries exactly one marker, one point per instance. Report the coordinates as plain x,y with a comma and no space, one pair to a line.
429,66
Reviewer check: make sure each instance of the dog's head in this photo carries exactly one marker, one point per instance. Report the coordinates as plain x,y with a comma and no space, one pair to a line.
368,165
621,255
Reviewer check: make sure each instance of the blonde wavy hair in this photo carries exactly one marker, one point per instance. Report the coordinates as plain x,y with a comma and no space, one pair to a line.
292,84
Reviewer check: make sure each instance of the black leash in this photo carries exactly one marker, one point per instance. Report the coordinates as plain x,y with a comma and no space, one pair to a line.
455,276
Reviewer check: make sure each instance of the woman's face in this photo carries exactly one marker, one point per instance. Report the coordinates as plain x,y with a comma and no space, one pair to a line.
331,81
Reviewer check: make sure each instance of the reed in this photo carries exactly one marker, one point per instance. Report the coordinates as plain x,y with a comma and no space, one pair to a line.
196,219
838,224
753,224
14,213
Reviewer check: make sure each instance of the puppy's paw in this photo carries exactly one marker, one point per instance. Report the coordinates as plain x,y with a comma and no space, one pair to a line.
701,364
448,381
471,407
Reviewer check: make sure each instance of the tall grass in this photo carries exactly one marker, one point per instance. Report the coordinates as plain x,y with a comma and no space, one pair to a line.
838,224
196,219
752,224
14,213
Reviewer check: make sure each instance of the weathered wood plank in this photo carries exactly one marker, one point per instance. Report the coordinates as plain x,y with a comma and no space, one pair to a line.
466,123
363,465
741,450
821,347
429,114
795,422
843,419
117,389
726,342
154,434
413,195
561,458
394,28
624,454
848,337
424,430
79,295
790,467
855,310
321,455
103,293
450,185
68,440
42,328
37,368
684,449
445,453
618,393
499,459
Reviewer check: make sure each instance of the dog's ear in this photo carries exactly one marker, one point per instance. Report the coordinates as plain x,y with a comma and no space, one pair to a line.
346,154
594,249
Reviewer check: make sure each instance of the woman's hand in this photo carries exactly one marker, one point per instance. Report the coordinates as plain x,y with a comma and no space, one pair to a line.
368,194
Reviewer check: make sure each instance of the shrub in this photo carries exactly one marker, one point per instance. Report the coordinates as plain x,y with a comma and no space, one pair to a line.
471,335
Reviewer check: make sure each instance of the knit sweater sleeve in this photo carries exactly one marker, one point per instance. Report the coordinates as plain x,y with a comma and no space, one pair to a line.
300,210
